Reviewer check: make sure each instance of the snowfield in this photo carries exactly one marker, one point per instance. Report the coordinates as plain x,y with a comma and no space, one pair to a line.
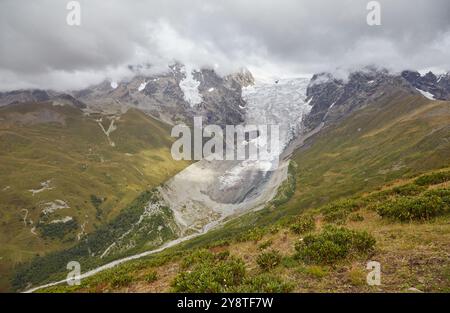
189,85
426,94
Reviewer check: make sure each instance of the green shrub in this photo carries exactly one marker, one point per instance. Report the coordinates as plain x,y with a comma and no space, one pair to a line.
266,244
356,217
408,190
151,277
121,280
412,208
303,224
211,276
57,230
314,271
289,262
200,255
223,255
433,178
337,211
268,260
333,244
443,193
254,234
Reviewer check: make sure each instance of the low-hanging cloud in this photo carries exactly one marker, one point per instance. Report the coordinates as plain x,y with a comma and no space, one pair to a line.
281,38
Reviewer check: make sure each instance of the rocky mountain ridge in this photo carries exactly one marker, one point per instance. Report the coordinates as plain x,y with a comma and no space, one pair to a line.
333,98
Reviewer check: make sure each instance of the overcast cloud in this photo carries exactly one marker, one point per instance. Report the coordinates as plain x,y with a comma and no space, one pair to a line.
279,37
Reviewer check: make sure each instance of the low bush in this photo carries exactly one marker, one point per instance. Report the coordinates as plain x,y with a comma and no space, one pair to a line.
57,230
433,178
289,262
408,190
314,271
266,244
333,244
412,208
338,211
254,234
121,280
200,255
303,224
443,193
356,217
268,260
151,277
211,276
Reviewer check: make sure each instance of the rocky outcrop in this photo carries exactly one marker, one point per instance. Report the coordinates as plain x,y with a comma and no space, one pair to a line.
438,86
17,96
170,96
333,98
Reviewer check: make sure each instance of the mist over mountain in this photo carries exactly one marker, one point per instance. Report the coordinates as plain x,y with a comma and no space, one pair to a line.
289,39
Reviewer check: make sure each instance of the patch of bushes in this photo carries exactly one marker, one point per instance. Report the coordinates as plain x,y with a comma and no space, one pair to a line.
97,202
303,224
443,193
151,277
266,244
289,262
356,217
57,230
338,211
333,244
357,277
254,234
433,178
412,208
200,255
287,189
408,190
211,276
268,260
121,280
314,271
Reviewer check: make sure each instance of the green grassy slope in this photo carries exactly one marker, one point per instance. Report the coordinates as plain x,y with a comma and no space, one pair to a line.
325,249
398,137
89,179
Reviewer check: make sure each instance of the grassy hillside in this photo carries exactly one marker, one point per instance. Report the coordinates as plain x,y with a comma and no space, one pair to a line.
391,141
325,249
57,164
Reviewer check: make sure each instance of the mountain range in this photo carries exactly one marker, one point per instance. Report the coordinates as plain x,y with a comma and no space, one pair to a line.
87,175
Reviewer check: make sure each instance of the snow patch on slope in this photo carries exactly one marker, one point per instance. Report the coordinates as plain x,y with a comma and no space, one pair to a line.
189,85
426,94
142,86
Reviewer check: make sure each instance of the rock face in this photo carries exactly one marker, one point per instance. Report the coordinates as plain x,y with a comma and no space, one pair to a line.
175,96
332,98
16,96
35,95
438,86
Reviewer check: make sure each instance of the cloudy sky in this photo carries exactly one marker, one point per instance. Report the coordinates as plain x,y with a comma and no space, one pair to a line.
278,38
